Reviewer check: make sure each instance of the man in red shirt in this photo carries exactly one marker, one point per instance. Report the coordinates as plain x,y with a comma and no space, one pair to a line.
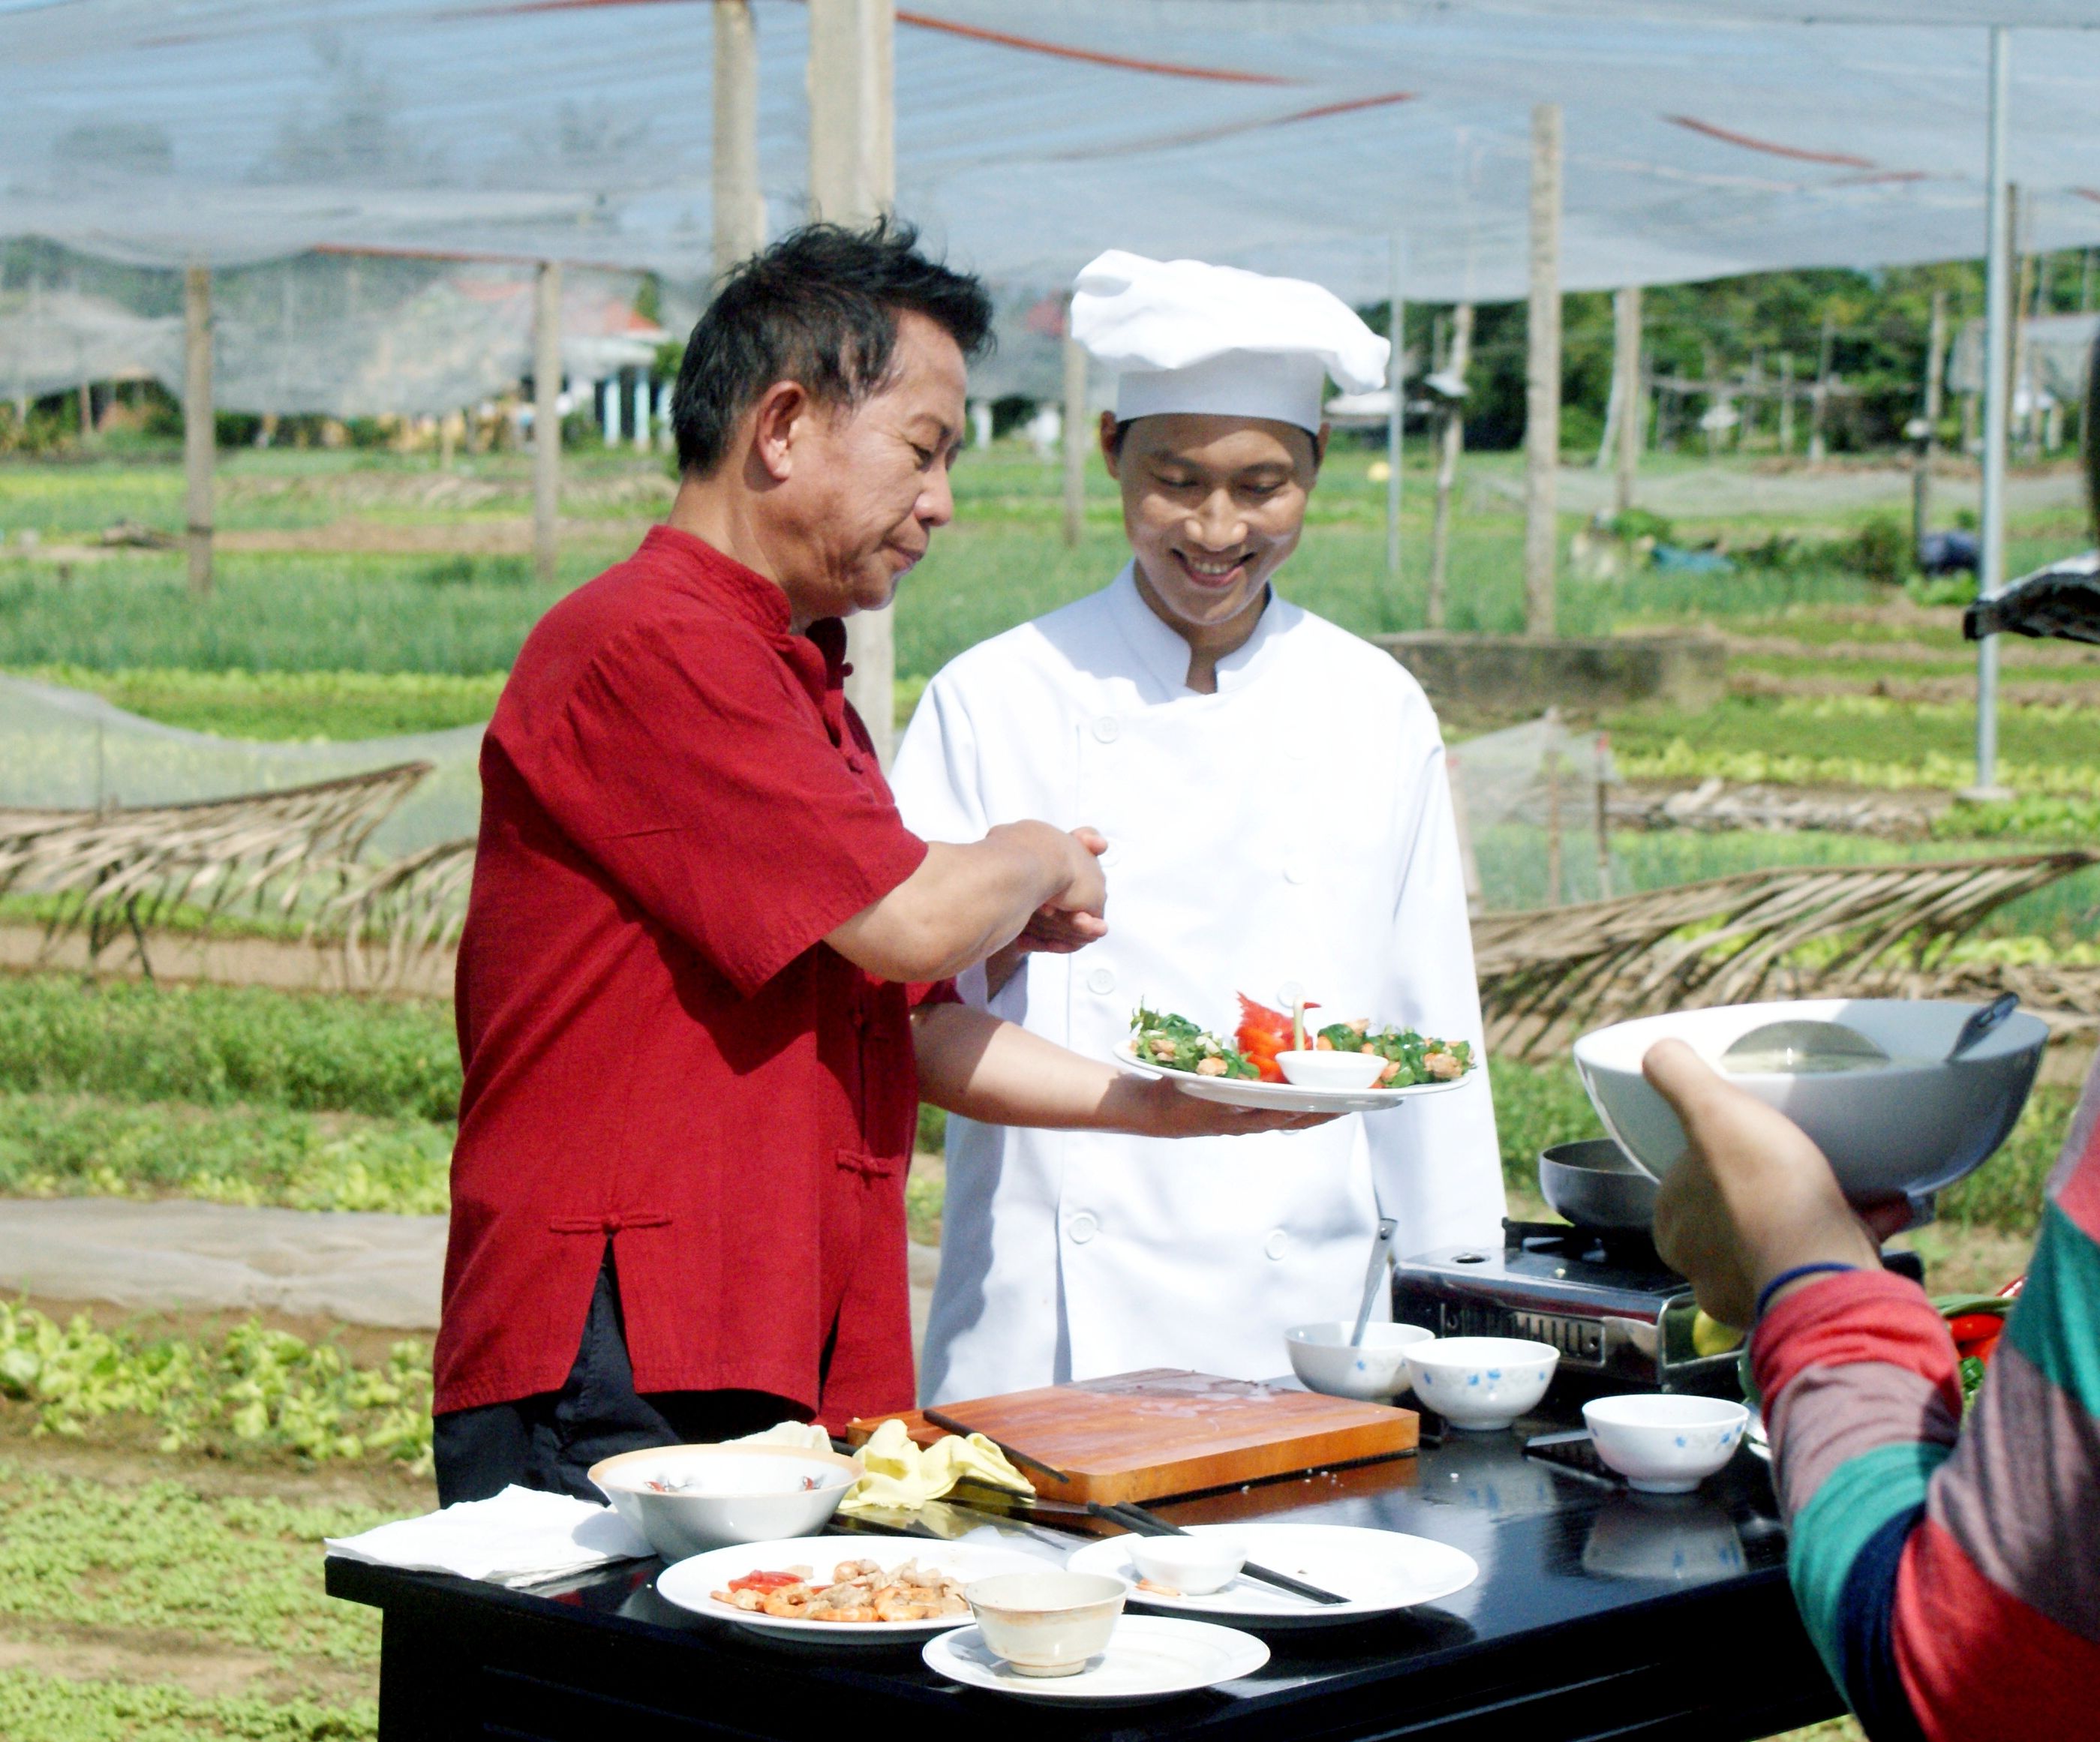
701,987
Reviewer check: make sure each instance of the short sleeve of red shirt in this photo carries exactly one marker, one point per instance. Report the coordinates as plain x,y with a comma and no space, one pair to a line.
691,773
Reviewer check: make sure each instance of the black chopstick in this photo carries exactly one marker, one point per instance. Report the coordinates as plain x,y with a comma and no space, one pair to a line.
1012,1453
1135,1519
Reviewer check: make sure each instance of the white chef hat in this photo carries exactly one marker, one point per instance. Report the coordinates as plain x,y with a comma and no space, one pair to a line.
1189,337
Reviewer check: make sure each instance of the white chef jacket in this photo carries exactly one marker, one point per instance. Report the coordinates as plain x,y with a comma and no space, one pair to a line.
1295,825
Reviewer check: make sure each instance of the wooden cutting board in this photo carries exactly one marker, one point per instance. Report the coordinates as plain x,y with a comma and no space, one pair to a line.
1142,1436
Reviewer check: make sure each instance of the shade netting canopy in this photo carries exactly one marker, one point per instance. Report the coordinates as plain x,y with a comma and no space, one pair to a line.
1703,139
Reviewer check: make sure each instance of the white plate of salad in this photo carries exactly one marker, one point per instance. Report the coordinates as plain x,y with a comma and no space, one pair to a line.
1241,1070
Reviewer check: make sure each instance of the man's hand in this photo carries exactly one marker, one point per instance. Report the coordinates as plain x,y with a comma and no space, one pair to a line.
1753,1196
1153,1107
1050,930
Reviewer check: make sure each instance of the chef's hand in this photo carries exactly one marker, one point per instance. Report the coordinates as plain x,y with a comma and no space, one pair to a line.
1753,1197
1052,929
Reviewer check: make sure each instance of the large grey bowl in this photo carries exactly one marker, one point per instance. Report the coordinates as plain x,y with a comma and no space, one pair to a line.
1916,1125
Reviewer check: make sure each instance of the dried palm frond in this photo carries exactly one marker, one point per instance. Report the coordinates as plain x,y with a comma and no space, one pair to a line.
1732,940
409,907
130,865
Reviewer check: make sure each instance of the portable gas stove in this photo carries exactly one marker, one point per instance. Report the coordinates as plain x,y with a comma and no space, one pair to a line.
1615,1311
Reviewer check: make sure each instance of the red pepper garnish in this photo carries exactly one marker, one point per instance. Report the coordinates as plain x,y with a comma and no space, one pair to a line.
1263,1033
1980,1349
2011,1290
1974,1327
764,1581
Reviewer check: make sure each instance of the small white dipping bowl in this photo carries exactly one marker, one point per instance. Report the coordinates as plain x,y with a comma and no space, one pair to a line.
1663,1443
1046,1623
1323,1360
1913,1125
1311,1069
1481,1383
690,1498
1195,1566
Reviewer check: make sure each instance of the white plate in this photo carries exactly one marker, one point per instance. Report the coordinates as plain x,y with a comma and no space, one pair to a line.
1283,1097
1148,1658
691,1583
1379,1571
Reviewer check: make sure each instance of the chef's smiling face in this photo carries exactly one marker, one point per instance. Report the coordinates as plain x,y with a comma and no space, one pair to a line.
1212,506
867,485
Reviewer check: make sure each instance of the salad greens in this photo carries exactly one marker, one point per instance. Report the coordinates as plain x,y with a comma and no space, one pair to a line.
1174,1043
1420,1058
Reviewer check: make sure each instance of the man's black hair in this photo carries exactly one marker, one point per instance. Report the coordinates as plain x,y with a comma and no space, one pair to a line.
820,308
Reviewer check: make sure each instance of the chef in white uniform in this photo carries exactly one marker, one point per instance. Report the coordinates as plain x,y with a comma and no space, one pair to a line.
1273,793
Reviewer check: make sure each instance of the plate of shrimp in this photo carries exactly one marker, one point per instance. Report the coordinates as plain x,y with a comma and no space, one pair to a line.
859,1590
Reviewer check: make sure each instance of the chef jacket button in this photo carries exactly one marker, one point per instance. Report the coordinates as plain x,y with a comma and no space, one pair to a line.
1277,1244
1082,1228
1100,982
1107,729
1297,871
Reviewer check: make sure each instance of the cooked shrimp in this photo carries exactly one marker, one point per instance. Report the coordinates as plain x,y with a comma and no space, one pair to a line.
846,1571
745,1600
791,1602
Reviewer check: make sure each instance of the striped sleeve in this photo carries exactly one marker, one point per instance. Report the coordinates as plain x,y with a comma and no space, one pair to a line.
1952,1583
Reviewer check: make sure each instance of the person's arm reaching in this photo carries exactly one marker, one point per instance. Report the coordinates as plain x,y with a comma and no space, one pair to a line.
972,1063
964,902
1948,1572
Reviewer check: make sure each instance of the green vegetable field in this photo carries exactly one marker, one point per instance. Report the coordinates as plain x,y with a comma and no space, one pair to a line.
165,1479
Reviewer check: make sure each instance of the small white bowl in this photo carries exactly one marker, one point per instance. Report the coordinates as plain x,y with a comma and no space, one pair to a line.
1195,1566
1323,1360
687,1499
1481,1383
1314,1069
1662,1442
1046,1623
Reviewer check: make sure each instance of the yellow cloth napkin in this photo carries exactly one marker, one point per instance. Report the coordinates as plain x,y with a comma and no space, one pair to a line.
902,1474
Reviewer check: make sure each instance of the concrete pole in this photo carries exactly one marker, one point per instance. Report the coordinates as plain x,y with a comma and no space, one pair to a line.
1935,383
1396,423
1451,443
198,438
739,207
1786,402
853,179
546,417
1078,439
1818,404
1542,426
644,435
1998,408
1632,403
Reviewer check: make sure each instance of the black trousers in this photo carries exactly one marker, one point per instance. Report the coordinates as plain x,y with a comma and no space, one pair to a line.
551,1440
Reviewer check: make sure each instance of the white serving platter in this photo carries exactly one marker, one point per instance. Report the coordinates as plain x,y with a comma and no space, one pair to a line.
1149,1657
691,1583
1284,1097
1379,1571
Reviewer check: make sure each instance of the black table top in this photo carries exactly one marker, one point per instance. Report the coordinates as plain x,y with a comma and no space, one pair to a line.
1652,1608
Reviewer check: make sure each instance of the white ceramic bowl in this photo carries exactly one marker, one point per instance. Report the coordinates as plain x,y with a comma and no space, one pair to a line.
1194,1566
1480,1383
1323,1360
1914,1126
1663,1443
1314,1069
1046,1623
690,1498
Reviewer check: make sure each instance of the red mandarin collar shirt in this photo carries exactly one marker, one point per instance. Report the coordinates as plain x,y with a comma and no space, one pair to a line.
660,1051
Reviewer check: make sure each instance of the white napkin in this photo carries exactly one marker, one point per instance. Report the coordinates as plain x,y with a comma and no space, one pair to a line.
520,1537
805,1434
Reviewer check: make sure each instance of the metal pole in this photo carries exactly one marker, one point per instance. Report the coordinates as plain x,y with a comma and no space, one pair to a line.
1396,435
739,207
1077,438
1451,442
546,417
199,438
1541,424
1997,386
